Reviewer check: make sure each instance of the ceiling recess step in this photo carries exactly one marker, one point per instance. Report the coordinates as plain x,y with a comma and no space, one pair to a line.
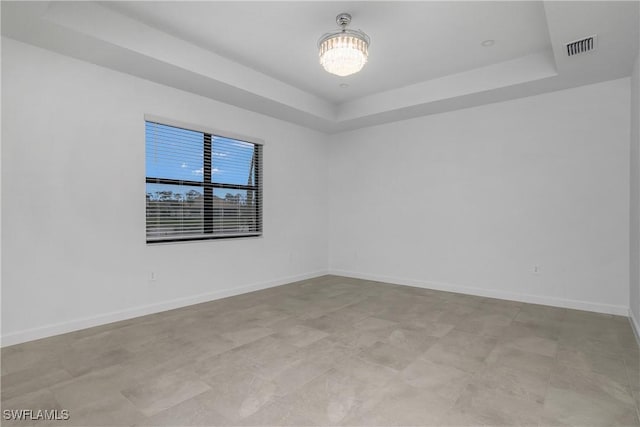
584,45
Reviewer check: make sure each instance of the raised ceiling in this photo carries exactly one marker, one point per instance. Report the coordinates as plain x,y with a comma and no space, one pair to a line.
425,57
412,41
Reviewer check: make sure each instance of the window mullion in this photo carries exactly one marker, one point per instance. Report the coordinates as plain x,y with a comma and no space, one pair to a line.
208,189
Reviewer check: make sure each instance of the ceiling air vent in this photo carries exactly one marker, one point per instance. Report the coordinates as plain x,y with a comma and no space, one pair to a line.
584,45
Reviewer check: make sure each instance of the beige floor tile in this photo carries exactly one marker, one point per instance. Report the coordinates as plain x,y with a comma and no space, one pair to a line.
137,336
153,363
300,373
544,328
414,340
300,335
31,379
569,407
101,341
537,314
372,324
264,349
388,355
336,351
371,305
79,362
485,323
220,363
461,350
40,399
31,356
349,314
319,355
432,329
162,392
92,387
209,345
586,344
458,314
514,358
591,384
517,383
247,335
354,339
112,410
538,345
491,406
614,331
445,381
400,404
371,374
276,413
463,299
331,398
604,363
632,362
197,411
499,306
238,394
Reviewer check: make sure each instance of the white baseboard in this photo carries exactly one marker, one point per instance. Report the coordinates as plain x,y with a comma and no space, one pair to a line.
490,293
635,325
102,319
88,322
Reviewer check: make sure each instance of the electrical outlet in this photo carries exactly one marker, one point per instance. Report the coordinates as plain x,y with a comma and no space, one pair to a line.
536,269
152,276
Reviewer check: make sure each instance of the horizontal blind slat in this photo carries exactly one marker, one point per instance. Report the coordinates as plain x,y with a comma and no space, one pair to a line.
185,206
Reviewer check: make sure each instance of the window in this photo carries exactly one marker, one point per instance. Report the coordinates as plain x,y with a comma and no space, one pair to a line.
201,185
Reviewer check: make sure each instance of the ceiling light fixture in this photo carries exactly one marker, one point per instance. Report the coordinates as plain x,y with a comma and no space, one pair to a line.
343,52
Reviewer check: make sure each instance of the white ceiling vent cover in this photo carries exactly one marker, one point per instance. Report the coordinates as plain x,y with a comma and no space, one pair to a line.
584,45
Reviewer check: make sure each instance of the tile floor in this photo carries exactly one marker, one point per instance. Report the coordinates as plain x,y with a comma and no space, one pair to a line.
336,351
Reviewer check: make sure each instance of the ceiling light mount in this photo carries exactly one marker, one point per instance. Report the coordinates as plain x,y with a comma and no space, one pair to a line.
343,20
345,51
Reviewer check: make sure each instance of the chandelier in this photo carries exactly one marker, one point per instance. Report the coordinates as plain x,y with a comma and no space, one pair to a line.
343,52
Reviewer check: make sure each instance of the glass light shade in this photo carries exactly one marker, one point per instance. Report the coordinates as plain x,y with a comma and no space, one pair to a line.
344,53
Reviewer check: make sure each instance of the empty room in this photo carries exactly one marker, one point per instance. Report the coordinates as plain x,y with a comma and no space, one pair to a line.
315,213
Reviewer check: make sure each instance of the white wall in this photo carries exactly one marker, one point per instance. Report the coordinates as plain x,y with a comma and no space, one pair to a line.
467,201
471,200
73,246
634,247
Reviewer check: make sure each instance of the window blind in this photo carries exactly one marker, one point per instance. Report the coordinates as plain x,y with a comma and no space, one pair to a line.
200,185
